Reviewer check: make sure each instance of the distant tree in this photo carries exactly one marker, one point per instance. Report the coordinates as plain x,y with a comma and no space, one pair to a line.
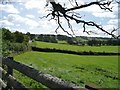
114,42
13,42
32,36
19,37
53,40
7,35
28,33
26,38
40,37
70,41
62,37
93,42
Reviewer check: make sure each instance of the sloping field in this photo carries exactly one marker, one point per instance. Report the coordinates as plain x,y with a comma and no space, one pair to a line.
100,70
76,48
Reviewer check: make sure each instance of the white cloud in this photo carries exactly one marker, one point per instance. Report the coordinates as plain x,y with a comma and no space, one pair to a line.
25,23
113,21
98,12
104,14
31,23
5,23
35,4
18,29
109,27
19,19
115,7
15,18
18,25
92,9
9,8
30,16
21,9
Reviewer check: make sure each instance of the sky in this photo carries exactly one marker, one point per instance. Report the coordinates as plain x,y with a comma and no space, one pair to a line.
25,16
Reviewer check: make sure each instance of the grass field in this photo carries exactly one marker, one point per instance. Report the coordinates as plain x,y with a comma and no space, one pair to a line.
100,70
76,48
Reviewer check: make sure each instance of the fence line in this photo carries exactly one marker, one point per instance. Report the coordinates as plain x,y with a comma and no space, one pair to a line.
11,81
2,84
46,79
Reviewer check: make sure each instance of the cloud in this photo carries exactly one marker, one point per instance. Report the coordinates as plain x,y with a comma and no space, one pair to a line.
18,25
18,29
109,27
96,11
5,23
115,7
45,26
9,8
30,16
92,9
105,14
26,21
113,21
35,4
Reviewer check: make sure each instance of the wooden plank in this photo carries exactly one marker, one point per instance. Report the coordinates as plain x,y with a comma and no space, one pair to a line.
2,84
12,81
45,79
10,69
92,86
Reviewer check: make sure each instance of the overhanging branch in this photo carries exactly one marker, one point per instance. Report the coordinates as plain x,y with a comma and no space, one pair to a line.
99,3
59,11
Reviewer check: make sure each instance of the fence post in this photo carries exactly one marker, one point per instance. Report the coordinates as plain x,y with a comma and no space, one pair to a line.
9,71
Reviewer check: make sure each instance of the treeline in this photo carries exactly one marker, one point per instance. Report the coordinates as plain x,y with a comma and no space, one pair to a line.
113,42
73,52
47,38
13,42
79,40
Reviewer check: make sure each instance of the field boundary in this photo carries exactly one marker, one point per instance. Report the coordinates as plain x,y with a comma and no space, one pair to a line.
45,79
73,52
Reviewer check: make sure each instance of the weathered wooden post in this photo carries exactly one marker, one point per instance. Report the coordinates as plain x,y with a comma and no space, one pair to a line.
9,71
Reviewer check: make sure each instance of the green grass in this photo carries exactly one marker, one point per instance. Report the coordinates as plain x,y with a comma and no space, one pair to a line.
28,82
73,68
76,48
62,42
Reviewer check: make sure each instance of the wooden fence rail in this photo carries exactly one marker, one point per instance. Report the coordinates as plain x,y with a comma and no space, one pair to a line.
11,81
46,79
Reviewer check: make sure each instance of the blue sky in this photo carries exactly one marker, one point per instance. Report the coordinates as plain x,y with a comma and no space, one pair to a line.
23,16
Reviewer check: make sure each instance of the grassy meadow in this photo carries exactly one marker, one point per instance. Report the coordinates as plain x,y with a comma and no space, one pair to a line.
76,48
81,70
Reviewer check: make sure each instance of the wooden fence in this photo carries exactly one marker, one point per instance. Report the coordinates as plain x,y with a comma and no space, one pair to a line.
7,81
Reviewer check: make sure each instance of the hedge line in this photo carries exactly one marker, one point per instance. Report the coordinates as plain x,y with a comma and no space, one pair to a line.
73,52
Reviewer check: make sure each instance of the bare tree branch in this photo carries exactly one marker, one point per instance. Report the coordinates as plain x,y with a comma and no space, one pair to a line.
59,11
99,3
62,27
